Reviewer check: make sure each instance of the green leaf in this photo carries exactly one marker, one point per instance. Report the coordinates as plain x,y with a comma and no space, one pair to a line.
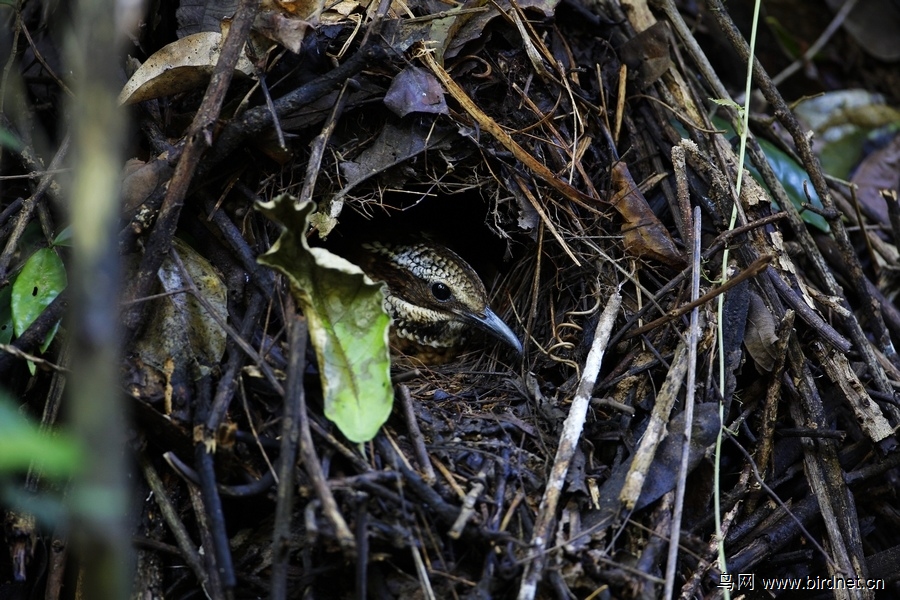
729,103
840,156
348,326
791,175
41,280
46,343
6,323
10,141
32,240
64,237
22,445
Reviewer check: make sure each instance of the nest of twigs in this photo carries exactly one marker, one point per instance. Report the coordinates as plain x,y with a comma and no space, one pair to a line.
567,152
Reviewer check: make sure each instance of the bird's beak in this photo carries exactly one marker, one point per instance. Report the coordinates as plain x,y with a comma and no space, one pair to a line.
495,326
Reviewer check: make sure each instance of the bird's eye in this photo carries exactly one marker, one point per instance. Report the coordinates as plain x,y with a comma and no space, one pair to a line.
440,291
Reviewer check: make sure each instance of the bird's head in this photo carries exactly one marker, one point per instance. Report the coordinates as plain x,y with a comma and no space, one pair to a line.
433,295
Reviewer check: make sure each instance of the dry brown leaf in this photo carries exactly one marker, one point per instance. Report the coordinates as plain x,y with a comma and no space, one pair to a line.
760,339
183,65
141,180
644,235
879,171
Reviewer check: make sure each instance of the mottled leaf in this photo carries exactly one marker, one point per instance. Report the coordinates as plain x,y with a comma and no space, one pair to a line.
846,123
183,65
180,329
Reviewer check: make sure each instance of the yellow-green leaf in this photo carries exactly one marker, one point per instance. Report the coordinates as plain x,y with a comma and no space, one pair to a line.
348,326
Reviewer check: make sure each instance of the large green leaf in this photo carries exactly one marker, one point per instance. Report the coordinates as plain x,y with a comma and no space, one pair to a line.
41,280
793,177
786,169
348,326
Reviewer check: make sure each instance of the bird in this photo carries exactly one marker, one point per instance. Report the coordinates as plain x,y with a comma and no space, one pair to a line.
434,298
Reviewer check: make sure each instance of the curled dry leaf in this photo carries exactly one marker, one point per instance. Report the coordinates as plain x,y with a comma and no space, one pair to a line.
288,30
760,339
644,235
183,65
